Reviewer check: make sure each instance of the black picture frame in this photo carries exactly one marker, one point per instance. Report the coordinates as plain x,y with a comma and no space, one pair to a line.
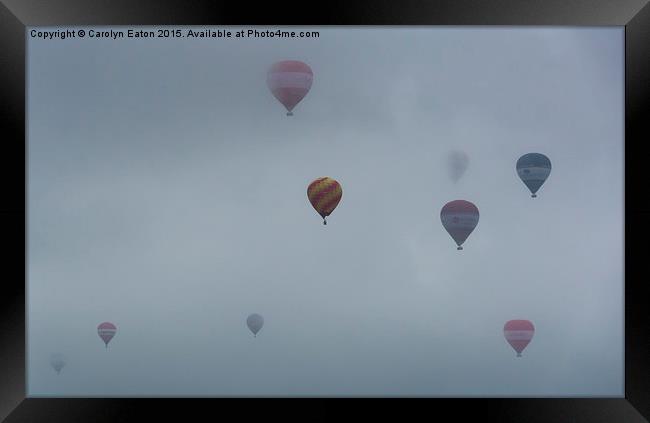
16,15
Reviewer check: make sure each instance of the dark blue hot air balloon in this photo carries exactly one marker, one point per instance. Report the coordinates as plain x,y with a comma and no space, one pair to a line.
533,169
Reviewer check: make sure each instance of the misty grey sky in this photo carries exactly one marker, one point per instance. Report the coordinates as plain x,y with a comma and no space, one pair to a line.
167,194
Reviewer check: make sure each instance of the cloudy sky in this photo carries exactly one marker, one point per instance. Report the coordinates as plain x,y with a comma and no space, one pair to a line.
167,194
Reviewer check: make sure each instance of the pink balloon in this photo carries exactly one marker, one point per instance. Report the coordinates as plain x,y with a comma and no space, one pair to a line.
106,331
289,81
518,333
459,218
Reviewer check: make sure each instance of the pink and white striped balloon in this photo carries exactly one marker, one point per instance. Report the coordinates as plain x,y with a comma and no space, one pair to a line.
518,333
289,81
459,218
106,331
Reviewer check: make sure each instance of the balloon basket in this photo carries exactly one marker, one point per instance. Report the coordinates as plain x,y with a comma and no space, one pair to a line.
459,248
289,114
534,196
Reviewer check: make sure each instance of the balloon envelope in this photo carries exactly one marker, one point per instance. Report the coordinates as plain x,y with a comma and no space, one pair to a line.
518,333
324,195
106,331
533,169
57,361
289,81
457,163
255,323
459,218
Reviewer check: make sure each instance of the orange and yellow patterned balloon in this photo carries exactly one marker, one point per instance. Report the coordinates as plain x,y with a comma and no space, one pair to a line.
324,194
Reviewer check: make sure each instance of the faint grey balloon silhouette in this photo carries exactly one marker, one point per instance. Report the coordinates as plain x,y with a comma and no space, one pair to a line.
255,323
457,163
57,361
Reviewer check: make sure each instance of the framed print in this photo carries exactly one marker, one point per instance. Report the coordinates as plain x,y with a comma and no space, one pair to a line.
435,205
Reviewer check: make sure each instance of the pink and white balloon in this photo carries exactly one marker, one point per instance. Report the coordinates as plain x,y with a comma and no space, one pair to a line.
106,331
289,81
519,333
459,218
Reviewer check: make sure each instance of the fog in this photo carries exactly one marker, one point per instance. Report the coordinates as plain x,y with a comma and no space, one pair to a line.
167,194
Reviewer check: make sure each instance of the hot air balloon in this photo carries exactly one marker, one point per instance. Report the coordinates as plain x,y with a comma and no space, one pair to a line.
457,162
533,169
324,194
106,331
289,81
255,323
57,361
518,333
459,218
